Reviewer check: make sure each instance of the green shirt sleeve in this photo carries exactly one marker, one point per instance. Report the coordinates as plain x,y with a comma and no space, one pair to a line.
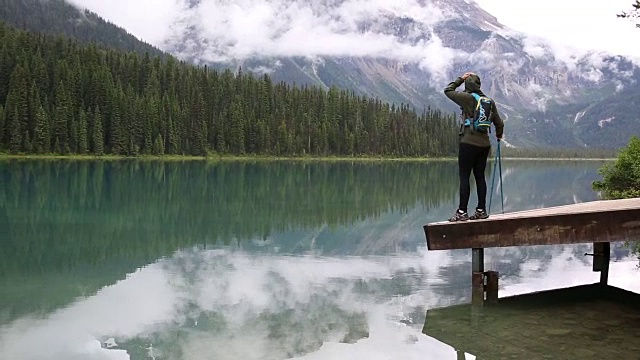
455,96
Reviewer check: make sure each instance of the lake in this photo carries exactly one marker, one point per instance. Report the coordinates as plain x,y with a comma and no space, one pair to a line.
257,259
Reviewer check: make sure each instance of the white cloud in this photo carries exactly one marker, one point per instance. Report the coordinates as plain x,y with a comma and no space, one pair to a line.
282,28
316,28
587,25
263,70
306,28
149,20
593,75
222,30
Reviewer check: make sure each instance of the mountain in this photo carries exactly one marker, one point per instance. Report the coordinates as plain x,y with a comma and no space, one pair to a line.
57,17
550,96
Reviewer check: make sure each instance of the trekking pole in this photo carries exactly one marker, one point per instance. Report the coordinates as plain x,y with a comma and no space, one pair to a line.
500,170
496,164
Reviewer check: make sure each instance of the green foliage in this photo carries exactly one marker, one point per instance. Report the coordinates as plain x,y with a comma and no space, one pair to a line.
1,122
83,140
622,178
158,146
42,141
136,101
97,137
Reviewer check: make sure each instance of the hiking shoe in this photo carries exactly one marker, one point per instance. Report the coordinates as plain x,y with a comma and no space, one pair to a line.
459,216
479,214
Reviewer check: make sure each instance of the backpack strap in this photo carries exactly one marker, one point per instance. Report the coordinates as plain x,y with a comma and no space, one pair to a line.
467,122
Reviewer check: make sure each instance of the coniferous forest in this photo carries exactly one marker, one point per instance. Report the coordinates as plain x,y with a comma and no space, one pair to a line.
58,96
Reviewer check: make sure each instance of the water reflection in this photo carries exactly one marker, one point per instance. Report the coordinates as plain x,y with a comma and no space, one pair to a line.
251,260
227,304
581,322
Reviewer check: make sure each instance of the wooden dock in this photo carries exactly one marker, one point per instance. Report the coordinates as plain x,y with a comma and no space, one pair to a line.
597,222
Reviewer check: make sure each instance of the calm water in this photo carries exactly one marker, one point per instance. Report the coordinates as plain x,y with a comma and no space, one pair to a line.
265,260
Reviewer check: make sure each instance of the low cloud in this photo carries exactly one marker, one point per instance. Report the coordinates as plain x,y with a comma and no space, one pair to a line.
285,28
220,30
262,70
209,31
148,20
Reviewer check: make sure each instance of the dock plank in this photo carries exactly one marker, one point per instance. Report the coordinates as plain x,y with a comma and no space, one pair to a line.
596,221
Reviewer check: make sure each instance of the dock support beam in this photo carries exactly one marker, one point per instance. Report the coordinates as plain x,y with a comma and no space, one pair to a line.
484,284
477,260
477,276
601,257
492,287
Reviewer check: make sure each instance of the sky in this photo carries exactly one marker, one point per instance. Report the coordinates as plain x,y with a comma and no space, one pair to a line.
586,24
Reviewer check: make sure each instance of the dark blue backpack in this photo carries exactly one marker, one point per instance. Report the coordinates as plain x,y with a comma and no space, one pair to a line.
481,121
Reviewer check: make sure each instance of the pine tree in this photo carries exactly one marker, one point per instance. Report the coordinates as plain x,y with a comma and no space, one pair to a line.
17,109
83,140
40,75
15,133
174,146
33,102
73,133
1,125
7,63
282,146
27,145
158,146
60,121
134,118
236,136
199,129
42,138
97,137
148,136
116,134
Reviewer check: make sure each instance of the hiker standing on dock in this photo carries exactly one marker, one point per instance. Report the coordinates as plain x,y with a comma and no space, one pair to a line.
478,113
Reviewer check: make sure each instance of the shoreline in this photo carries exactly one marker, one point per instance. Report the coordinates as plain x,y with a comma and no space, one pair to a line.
220,158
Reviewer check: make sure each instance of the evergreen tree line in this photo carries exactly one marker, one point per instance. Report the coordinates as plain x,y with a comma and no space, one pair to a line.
67,98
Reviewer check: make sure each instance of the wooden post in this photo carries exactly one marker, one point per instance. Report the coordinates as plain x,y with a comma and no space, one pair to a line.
477,289
477,277
477,259
601,257
460,355
492,287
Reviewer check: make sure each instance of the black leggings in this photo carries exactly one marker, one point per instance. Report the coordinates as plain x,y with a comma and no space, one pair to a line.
474,158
